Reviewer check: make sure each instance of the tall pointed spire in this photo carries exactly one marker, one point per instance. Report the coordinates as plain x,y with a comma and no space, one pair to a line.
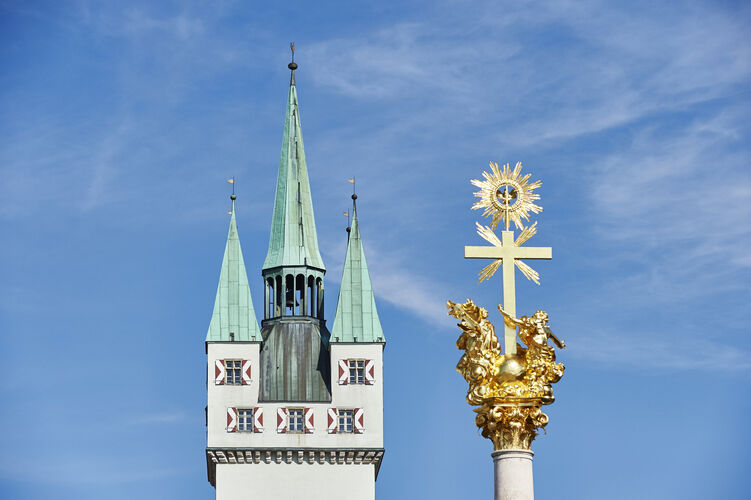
293,240
234,317
356,317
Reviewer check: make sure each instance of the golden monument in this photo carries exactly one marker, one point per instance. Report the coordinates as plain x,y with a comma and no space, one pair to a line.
510,387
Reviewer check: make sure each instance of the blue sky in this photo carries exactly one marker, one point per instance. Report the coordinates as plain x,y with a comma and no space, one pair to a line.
120,123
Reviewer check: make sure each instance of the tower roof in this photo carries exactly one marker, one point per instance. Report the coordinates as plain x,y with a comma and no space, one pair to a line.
293,240
356,317
233,307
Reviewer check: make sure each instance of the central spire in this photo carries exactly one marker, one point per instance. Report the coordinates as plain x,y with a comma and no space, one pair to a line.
293,240
294,358
293,270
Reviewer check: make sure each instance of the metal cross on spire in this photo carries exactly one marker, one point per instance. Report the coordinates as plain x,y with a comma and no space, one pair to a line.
292,65
507,196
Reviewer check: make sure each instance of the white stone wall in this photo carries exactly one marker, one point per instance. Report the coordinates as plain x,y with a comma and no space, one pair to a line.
221,397
368,397
311,481
303,481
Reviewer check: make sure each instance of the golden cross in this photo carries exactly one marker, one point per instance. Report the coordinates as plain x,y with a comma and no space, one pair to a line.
509,252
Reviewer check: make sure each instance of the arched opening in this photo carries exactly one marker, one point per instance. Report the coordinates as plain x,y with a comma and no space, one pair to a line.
300,308
289,295
311,296
319,297
270,296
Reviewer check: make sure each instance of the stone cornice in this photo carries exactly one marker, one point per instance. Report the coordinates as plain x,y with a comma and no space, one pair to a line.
339,456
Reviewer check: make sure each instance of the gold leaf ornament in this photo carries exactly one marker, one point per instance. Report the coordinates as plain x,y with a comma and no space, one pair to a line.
506,195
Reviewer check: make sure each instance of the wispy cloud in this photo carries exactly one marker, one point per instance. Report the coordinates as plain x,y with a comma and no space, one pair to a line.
649,352
679,198
135,22
398,284
392,62
604,67
423,298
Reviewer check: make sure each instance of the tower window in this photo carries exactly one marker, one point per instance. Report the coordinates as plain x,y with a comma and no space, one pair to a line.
233,369
295,420
356,371
245,420
346,420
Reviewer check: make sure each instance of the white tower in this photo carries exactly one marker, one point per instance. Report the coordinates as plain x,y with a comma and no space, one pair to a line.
294,411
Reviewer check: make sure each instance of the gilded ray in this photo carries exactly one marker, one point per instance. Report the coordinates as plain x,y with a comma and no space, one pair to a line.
506,195
527,233
489,270
488,235
527,271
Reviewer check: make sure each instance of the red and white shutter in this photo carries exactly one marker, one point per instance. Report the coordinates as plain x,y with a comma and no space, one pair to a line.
343,372
246,371
219,372
369,372
359,421
231,419
333,414
308,420
257,419
281,420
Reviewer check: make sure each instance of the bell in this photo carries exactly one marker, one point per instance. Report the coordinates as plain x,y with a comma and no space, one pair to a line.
290,299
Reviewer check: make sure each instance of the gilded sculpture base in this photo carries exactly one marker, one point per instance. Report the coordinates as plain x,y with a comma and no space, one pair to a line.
509,389
510,425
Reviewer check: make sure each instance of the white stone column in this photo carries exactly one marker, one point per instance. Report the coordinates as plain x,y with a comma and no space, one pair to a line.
513,475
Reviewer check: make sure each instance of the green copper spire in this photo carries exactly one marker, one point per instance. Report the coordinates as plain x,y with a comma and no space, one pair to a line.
293,240
234,317
356,317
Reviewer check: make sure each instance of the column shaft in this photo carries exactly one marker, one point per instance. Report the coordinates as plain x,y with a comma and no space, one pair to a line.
513,475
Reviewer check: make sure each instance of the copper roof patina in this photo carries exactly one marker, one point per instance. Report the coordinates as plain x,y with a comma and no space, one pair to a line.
234,317
293,240
294,357
356,318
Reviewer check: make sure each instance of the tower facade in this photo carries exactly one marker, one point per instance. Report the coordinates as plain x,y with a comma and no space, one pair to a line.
293,408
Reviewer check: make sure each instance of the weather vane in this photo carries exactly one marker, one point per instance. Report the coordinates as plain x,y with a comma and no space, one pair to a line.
510,386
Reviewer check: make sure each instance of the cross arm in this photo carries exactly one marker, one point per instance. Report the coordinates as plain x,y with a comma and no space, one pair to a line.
488,252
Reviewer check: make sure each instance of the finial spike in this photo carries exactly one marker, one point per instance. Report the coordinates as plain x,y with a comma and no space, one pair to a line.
232,196
293,65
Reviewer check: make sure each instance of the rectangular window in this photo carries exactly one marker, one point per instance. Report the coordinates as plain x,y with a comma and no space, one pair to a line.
356,371
233,369
245,420
295,420
346,419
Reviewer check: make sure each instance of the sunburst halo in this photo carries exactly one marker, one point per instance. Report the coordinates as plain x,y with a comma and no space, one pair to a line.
495,195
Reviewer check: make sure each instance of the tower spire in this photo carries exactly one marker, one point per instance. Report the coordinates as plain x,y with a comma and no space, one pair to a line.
234,318
356,318
293,240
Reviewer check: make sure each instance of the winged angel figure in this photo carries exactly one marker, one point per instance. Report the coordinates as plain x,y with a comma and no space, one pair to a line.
526,376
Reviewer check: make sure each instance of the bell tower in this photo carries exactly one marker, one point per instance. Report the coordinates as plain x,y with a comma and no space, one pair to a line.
294,357
294,411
